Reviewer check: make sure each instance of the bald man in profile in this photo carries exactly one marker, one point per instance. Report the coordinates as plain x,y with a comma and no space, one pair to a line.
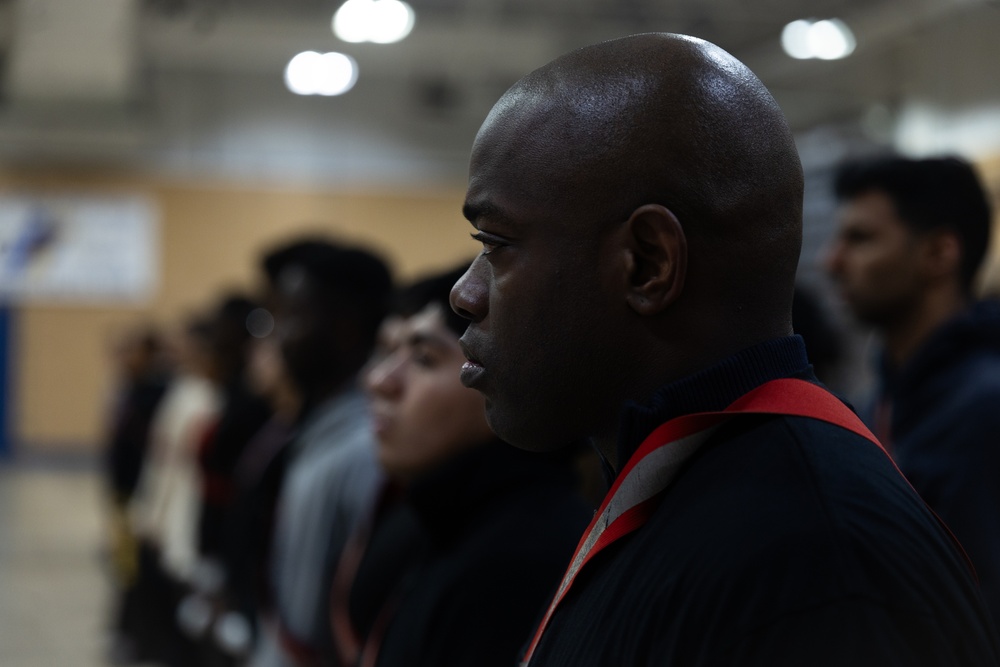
639,205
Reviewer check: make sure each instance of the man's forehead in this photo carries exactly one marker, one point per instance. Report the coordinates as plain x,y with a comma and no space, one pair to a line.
521,123
872,207
292,279
512,178
507,207
428,319
501,146
499,183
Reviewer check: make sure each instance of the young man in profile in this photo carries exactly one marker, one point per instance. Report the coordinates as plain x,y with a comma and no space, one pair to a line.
912,236
639,203
456,569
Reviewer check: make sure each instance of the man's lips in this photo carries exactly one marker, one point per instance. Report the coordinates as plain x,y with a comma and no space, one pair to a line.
467,350
473,369
381,422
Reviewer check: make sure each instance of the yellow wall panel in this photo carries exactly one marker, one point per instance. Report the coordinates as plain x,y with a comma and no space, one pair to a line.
212,237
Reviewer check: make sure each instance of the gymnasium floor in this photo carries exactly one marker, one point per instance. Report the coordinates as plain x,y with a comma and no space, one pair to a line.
53,586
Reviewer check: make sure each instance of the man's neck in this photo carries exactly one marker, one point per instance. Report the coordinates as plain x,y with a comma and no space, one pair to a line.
320,394
711,386
904,338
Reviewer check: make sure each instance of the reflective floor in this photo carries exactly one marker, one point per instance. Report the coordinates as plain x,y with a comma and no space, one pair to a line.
53,584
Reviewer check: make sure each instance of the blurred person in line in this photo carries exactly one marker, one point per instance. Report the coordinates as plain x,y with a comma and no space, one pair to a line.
242,415
142,381
257,481
456,572
912,236
164,509
639,205
328,301
143,378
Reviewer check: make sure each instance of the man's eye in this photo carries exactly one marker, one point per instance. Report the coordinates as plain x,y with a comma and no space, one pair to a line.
489,243
424,360
857,236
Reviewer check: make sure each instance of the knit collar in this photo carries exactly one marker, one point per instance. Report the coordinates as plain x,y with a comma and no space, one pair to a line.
713,388
451,499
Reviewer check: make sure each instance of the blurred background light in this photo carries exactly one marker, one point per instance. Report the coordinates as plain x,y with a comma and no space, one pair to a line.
828,39
378,21
795,39
312,73
260,323
831,39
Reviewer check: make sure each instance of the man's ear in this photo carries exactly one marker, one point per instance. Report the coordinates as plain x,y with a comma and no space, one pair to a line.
943,254
656,254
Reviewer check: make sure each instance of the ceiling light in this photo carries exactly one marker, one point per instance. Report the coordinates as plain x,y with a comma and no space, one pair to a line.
829,39
379,21
350,22
311,73
795,39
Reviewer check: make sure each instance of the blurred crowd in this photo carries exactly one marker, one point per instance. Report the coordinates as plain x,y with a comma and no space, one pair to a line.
298,477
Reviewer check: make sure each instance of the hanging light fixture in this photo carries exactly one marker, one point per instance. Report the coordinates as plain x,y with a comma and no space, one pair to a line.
312,73
828,39
378,21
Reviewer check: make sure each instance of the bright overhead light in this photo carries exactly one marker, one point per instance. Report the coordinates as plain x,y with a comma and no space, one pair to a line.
350,22
379,21
795,39
829,39
311,73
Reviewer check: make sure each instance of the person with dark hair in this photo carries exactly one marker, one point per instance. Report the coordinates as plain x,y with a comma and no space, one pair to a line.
912,235
328,301
639,204
456,570
143,381
243,414
165,507
932,196
257,481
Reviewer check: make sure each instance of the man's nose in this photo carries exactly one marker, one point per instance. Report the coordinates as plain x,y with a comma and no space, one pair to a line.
470,295
383,378
831,258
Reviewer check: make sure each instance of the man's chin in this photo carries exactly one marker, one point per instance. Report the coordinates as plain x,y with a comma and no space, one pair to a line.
862,314
519,434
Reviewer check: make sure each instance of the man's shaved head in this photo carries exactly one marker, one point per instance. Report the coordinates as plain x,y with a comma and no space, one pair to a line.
582,145
667,119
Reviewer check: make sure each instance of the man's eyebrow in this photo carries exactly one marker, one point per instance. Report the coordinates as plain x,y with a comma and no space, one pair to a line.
485,209
426,338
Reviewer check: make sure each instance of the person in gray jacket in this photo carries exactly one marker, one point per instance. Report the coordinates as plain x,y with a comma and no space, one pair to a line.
328,302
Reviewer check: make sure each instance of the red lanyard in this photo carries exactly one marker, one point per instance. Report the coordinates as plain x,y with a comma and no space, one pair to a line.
655,464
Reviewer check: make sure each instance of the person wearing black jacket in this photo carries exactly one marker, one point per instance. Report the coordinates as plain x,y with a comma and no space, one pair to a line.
328,302
475,541
639,204
913,234
243,414
144,381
